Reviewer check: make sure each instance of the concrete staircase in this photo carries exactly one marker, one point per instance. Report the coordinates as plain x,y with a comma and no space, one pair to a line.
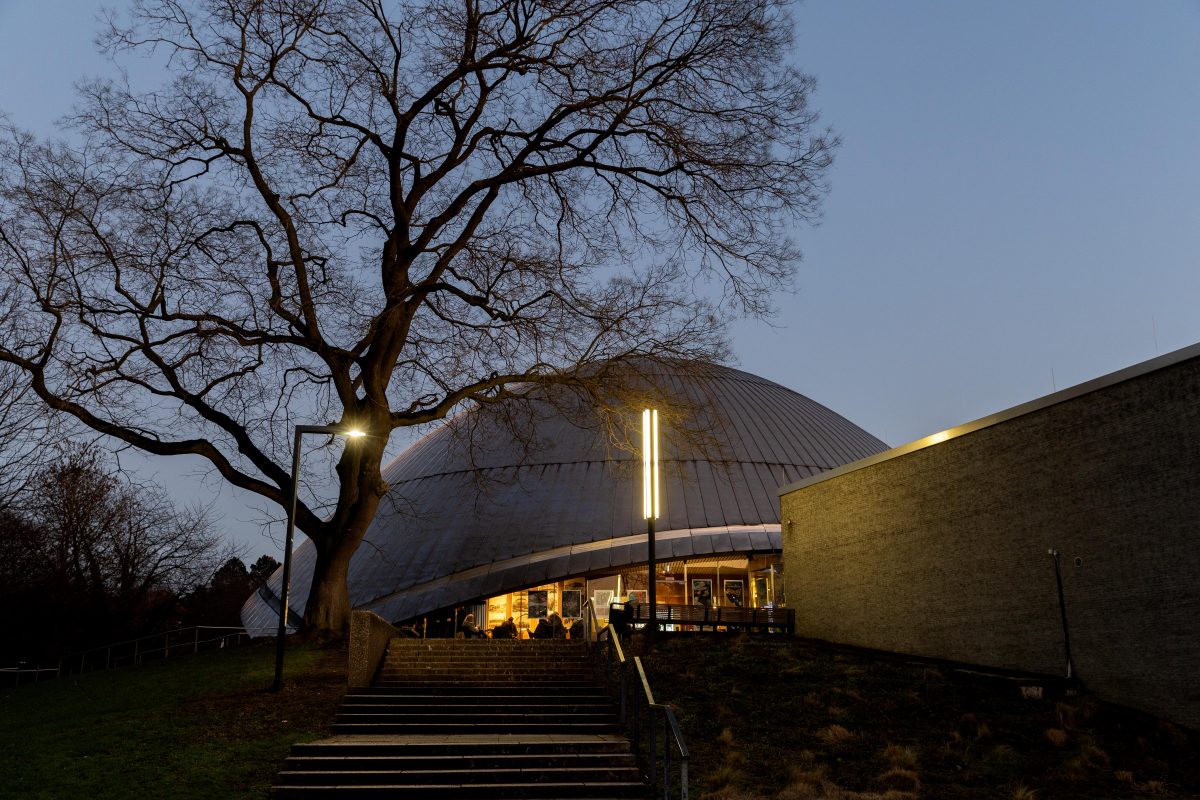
471,719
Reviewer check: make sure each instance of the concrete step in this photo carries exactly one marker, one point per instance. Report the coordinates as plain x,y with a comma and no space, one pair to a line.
482,708
467,720
403,760
404,716
475,701
465,747
427,688
438,683
489,671
482,791
476,727
531,773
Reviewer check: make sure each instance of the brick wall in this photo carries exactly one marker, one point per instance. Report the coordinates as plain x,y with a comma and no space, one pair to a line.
942,551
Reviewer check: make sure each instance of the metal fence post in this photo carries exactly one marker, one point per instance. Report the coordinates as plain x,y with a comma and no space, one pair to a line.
196,642
653,746
666,759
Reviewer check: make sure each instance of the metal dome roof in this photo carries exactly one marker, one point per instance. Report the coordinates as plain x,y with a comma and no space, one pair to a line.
475,510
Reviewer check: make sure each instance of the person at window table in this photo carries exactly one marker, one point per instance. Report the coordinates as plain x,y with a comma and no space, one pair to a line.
551,628
505,630
470,629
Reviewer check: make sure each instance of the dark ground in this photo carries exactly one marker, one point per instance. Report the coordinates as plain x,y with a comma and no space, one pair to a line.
772,717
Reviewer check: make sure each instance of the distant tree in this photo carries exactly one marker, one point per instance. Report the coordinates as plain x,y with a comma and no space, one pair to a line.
261,569
92,557
112,546
375,213
220,600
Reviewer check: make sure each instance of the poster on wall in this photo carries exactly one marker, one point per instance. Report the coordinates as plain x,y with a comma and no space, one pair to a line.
571,604
539,603
638,597
735,593
702,592
600,599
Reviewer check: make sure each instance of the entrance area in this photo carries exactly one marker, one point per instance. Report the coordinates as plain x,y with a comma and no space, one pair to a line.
725,582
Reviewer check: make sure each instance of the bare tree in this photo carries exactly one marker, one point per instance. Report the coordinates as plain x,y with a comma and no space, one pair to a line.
27,435
376,213
115,541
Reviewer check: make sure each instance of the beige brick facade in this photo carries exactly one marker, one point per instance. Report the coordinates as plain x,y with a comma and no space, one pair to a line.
941,550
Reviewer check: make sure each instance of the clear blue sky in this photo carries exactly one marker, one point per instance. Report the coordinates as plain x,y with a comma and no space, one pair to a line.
1016,204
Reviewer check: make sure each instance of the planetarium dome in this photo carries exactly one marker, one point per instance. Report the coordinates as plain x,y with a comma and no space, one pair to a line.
480,508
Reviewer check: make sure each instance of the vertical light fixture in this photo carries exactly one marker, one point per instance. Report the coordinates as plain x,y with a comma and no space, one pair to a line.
650,504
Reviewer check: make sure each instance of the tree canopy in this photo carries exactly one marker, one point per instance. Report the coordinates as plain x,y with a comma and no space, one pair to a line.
375,213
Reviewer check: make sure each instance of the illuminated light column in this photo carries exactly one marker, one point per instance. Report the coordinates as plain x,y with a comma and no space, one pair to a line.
650,506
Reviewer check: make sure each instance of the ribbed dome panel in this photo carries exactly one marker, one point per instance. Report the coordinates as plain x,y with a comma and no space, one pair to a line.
473,511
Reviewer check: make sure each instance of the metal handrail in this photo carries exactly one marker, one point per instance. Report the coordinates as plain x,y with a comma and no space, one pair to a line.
670,725
616,663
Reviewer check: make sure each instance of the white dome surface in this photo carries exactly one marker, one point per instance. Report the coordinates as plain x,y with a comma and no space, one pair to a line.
474,516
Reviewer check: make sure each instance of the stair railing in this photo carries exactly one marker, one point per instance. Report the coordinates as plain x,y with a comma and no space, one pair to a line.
670,728
630,707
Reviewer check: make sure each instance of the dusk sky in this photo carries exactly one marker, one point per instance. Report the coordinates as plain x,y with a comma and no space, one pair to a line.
1015,205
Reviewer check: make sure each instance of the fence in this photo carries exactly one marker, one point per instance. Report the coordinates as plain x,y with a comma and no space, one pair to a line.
132,652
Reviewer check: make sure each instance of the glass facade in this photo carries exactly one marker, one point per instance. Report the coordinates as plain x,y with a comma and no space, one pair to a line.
719,581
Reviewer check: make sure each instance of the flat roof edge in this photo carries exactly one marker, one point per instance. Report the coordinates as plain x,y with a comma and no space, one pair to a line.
1087,387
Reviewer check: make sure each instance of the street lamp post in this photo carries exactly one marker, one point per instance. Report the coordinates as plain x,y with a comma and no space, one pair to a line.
650,505
285,589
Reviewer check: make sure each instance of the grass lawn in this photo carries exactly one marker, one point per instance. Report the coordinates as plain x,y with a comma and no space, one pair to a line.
773,717
195,726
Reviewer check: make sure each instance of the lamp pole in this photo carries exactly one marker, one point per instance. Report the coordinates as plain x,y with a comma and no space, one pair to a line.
650,504
285,589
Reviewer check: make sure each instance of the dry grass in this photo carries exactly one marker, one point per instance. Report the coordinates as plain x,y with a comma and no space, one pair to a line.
1057,737
835,735
901,757
902,730
1123,776
900,780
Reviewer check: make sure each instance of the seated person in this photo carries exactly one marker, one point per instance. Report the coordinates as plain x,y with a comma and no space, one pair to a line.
576,631
551,628
505,630
470,629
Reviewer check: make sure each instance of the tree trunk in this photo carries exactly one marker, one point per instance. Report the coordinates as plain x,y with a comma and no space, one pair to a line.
327,613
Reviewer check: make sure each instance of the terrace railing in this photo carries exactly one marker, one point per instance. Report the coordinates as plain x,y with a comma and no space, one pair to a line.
782,620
